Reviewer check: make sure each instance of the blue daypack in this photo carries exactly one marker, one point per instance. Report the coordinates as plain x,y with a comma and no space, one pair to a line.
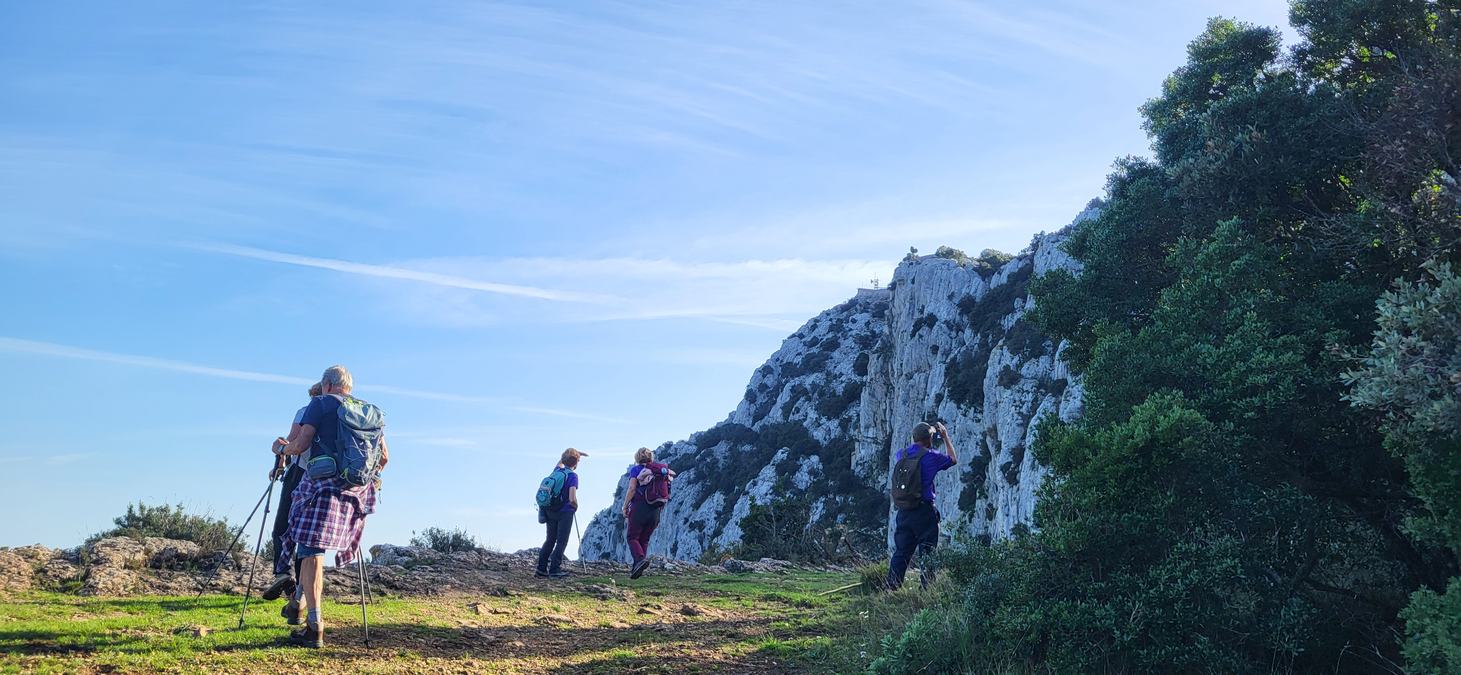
550,491
355,456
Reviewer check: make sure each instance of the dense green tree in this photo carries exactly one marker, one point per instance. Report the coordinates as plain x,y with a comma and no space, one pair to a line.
1221,507
1413,375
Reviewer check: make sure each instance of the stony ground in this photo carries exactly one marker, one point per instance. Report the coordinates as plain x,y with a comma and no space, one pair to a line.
475,612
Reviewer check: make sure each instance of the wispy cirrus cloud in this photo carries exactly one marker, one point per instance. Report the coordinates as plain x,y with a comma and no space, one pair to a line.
775,294
17,345
39,348
400,273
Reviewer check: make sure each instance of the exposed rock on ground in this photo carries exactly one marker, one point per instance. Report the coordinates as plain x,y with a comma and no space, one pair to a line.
122,566
16,573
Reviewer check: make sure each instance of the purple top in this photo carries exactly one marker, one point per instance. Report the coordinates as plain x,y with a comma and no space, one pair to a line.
634,472
570,482
930,464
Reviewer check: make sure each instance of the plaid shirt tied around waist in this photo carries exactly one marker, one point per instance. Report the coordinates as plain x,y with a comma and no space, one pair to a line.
331,515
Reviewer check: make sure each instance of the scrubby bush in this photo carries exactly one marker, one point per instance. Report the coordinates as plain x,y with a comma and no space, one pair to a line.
442,540
833,406
964,377
994,259
934,642
781,529
715,554
954,254
170,522
874,577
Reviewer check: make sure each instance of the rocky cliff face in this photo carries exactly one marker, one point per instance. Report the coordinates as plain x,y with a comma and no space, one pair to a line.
820,421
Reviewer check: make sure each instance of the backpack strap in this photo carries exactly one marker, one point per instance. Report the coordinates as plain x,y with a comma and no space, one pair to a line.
640,487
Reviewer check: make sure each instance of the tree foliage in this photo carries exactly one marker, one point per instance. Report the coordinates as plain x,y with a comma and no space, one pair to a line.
1412,374
442,540
1222,507
170,522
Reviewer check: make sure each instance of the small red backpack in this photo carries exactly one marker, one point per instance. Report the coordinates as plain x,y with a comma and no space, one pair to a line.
657,491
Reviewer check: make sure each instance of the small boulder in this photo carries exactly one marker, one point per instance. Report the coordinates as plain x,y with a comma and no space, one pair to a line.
736,566
35,554
118,552
109,581
173,555
193,631
550,619
390,554
16,573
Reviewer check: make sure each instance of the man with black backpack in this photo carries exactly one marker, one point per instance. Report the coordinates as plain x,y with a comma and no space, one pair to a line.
916,527
345,439
557,505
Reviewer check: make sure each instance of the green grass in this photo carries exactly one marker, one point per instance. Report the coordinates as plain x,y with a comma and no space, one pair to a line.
746,623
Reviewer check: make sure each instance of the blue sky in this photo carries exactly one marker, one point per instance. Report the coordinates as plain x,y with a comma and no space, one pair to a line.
523,227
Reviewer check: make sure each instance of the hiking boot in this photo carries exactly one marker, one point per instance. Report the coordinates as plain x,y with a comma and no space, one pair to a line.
540,574
558,574
311,636
639,568
283,585
292,614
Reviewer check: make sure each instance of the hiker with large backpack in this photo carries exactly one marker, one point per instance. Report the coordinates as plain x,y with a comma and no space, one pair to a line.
916,524
557,505
645,496
347,450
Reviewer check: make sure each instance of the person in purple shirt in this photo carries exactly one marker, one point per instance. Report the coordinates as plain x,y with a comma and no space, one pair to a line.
560,520
916,527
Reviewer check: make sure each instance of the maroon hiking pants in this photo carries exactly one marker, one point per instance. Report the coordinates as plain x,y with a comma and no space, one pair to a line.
643,518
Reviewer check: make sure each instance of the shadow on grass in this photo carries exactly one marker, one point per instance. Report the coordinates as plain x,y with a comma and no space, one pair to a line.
524,642
537,642
56,643
652,662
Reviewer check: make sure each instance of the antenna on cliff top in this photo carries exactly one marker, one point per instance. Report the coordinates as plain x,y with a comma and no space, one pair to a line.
875,283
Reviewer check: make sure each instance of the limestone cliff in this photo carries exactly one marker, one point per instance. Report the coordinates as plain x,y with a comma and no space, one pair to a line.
819,422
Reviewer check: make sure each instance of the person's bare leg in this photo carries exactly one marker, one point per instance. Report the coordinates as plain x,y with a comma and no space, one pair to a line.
312,580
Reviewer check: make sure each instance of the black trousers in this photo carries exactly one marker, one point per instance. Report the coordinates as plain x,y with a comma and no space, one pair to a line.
550,556
283,555
915,531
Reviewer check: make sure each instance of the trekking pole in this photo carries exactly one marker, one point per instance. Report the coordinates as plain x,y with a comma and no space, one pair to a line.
236,536
581,566
258,546
364,590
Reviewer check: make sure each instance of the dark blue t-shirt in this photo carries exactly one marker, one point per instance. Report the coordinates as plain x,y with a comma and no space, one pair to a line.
570,482
322,414
930,464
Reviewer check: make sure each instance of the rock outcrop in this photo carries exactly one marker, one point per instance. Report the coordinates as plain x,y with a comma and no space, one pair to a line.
820,421
124,566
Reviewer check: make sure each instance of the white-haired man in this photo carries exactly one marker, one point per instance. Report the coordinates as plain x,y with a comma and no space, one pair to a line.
327,513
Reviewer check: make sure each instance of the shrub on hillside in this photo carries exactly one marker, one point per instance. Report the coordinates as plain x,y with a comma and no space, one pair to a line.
443,540
169,522
874,577
781,530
